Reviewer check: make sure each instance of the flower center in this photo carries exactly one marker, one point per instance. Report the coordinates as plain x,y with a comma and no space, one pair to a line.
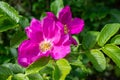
45,46
66,30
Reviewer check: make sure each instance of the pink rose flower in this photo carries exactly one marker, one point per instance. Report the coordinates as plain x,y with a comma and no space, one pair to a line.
70,25
44,39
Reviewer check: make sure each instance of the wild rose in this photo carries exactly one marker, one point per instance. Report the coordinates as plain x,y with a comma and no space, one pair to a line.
45,39
70,25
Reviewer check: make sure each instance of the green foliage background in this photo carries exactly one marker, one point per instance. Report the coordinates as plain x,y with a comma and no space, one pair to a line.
96,13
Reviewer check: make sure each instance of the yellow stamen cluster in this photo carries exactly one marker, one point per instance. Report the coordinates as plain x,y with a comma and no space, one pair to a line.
66,30
45,46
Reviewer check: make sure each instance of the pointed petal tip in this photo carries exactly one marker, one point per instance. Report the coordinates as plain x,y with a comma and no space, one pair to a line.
65,15
76,25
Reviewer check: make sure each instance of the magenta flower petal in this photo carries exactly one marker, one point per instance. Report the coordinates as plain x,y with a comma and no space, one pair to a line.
29,52
76,26
65,15
64,40
35,26
52,29
48,27
37,37
60,52
58,32
56,37
34,31
73,41
26,50
62,48
51,15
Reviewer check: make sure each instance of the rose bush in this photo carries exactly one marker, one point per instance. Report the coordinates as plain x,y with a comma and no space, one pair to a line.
69,42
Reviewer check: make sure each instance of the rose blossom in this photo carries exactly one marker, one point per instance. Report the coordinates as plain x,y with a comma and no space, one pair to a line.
70,25
44,39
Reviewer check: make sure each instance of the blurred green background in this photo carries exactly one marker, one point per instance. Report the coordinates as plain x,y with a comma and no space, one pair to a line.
96,13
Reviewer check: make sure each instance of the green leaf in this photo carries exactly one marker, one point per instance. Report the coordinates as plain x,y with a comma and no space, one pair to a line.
20,77
5,72
113,52
107,32
62,69
10,77
42,15
6,24
6,9
48,68
90,39
37,66
116,40
78,63
17,38
23,22
15,68
98,59
56,73
56,6
35,76
73,47
8,17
